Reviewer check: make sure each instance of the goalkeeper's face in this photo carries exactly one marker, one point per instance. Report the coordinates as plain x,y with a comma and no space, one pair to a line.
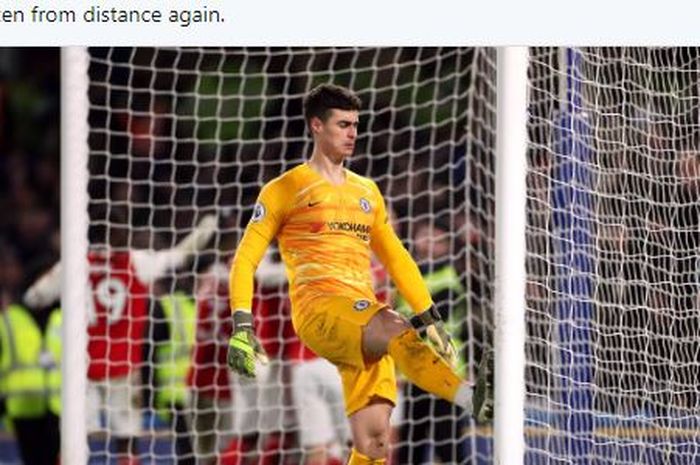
336,136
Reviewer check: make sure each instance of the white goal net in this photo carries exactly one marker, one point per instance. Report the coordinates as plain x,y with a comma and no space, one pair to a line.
612,243
177,134
612,291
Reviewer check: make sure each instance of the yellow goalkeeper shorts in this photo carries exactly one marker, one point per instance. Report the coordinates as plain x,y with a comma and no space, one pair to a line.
332,328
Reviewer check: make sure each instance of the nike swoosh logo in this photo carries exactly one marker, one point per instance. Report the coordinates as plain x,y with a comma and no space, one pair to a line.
313,204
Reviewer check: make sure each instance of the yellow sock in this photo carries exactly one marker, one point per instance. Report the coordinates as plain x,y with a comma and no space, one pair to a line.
359,459
425,368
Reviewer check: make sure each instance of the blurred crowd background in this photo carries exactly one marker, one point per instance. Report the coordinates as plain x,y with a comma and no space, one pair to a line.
29,165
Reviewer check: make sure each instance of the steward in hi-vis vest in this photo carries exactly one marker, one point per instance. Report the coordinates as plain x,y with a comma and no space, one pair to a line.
174,318
30,381
22,374
173,360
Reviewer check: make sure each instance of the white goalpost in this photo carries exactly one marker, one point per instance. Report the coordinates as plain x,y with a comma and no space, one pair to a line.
74,245
509,340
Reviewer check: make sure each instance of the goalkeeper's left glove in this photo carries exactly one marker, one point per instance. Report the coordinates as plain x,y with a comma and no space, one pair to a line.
244,349
429,325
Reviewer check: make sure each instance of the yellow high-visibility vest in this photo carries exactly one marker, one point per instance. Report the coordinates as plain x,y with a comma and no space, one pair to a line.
174,357
22,375
54,344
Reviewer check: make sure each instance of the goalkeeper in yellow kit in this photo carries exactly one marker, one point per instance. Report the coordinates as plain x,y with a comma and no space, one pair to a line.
328,220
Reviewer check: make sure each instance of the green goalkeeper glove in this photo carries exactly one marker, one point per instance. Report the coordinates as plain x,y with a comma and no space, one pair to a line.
429,325
244,349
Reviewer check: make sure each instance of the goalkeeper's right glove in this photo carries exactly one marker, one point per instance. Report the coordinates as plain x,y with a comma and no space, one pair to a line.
244,349
429,325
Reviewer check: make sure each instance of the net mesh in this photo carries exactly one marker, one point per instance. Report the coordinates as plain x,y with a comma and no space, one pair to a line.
176,134
612,295
612,232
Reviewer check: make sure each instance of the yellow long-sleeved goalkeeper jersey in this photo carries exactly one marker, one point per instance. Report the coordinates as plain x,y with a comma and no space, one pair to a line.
326,234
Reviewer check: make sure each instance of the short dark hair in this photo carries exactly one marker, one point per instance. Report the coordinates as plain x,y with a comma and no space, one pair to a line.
326,97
